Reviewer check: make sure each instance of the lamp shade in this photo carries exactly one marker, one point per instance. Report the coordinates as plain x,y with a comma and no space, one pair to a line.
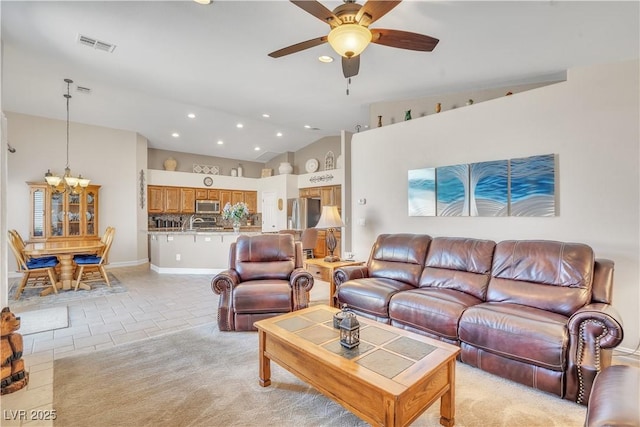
349,39
330,218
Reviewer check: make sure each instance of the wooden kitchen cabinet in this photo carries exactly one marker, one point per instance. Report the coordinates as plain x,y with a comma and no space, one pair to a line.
187,200
237,197
202,194
251,199
172,199
155,199
213,195
225,197
65,216
331,195
310,192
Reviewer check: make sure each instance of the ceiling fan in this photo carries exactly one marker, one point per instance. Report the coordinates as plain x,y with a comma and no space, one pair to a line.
350,33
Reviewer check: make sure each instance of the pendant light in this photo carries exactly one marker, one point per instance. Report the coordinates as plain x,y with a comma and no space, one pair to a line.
67,182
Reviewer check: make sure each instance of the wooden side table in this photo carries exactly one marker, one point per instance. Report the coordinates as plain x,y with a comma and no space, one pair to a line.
324,270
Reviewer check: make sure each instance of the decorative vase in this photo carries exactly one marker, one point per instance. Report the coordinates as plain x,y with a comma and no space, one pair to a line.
438,107
379,121
407,115
170,164
236,226
285,168
240,170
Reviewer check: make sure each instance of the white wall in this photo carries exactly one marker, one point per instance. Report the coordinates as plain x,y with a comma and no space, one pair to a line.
108,157
591,122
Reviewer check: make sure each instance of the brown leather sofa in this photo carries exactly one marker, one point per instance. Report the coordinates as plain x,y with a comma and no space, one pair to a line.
614,398
536,312
265,278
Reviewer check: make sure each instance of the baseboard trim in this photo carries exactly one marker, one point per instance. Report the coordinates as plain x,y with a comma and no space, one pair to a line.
165,270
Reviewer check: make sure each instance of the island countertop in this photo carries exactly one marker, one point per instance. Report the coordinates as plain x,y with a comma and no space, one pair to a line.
192,252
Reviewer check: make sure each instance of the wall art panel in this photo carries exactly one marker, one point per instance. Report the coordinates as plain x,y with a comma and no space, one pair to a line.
489,188
452,190
532,186
422,192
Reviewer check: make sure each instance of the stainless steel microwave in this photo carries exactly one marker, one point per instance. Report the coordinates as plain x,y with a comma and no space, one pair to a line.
208,206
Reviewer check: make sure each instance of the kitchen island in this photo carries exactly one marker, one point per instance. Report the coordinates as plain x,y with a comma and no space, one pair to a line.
173,251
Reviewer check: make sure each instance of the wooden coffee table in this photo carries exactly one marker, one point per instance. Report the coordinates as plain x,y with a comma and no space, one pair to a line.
391,378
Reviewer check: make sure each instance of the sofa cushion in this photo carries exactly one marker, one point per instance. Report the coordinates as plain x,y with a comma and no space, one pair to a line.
433,311
399,256
549,275
527,334
262,296
268,256
460,264
370,296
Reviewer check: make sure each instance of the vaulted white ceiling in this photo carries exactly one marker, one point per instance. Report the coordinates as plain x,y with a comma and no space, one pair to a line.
178,57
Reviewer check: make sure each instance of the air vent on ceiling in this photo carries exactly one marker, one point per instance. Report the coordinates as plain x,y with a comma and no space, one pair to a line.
83,89
96,44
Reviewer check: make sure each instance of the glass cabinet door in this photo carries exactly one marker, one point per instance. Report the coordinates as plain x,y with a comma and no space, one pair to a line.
57,214
90,213
73,214
38,212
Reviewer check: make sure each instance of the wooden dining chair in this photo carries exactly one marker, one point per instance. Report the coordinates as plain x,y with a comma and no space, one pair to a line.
37,272
91,267
20,244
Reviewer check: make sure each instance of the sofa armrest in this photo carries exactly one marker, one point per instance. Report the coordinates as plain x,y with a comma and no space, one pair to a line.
223,284
594,330
350,272
301,283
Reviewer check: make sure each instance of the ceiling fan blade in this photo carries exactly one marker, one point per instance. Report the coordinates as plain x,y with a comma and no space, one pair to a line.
350,66
403,39
319,11
375,10
298,47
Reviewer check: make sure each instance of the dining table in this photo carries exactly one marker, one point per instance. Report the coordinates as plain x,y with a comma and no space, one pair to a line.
64,251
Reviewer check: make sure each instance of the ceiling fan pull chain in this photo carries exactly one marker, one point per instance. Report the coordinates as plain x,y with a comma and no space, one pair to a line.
348,83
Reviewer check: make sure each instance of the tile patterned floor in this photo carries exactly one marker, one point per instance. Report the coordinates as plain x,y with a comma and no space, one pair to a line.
154,304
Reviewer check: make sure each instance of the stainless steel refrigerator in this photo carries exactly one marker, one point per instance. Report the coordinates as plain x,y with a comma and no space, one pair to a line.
303,213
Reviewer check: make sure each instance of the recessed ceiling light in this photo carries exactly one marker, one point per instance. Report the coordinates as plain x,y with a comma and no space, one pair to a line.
307,127
257,149
220,142
266,116
191,116
279,134
175,135
239,125
203,1
325,58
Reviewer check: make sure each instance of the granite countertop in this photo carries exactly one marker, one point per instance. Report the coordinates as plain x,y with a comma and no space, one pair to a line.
178,230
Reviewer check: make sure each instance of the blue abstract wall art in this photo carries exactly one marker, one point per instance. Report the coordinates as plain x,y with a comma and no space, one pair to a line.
452,190
489,188
533,186
422,192
516,187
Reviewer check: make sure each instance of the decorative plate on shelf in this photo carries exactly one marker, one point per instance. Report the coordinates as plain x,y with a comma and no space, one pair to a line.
311,165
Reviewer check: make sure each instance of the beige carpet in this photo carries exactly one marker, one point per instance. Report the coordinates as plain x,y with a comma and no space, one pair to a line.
45,319
203,377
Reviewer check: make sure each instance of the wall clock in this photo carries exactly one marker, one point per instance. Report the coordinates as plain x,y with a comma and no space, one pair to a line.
208,181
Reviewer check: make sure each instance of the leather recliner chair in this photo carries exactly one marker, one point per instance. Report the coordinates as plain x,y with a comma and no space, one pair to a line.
265,278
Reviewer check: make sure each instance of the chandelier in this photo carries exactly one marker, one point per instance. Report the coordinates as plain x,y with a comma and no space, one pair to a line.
67,182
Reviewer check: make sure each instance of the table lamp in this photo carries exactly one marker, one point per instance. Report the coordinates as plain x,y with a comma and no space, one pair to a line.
330,219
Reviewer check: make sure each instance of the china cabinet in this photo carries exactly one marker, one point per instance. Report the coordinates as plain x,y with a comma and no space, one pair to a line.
63,215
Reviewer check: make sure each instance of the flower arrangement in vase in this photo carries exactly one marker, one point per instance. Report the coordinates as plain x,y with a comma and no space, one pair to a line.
235,213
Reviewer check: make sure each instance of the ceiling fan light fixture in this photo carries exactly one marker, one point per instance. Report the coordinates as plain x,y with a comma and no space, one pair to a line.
349,39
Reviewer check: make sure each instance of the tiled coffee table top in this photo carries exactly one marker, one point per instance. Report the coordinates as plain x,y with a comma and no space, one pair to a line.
381,351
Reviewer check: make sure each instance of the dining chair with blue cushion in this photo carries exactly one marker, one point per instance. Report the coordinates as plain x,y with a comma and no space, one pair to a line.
20,244
90,268
37,272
